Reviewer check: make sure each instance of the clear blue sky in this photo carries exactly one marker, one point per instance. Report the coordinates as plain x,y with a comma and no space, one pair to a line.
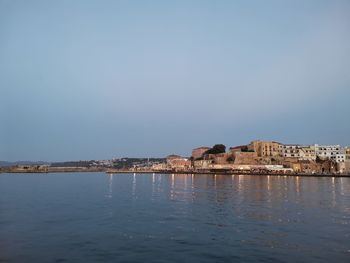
103,79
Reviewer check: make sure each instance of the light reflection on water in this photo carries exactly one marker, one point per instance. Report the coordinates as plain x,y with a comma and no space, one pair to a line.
171,218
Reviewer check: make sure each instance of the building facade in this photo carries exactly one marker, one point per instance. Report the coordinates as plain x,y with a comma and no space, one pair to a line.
291,150
266,148
241,148
347,153
202,164
178,163
331,152
307,153
347,160
198,152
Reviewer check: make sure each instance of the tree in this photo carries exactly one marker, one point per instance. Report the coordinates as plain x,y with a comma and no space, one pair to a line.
217,148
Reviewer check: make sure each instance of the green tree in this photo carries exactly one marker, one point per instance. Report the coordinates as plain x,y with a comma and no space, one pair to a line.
217,148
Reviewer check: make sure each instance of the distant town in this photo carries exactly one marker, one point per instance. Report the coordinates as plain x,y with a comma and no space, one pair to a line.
257,157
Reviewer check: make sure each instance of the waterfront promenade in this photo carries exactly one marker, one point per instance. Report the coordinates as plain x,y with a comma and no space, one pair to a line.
48,169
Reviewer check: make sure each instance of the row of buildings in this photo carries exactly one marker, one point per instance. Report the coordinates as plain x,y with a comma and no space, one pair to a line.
302,152
265,155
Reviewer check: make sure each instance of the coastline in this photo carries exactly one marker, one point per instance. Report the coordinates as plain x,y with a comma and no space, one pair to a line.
148,171
228,173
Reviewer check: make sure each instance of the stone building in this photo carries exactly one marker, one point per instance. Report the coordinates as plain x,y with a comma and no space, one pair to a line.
198,152
219,158
241,148
245,158
266,148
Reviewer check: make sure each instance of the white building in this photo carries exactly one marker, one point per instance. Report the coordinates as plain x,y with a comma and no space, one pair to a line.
333,152
340,158
302,152
291,150
307,153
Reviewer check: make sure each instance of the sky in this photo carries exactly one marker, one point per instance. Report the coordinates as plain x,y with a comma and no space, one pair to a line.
83,80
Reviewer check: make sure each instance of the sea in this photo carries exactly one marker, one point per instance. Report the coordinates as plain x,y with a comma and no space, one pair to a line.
99,217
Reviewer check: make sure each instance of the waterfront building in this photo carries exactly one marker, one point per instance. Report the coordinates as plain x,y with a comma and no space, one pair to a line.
159,167
331,152
198,152
347,160
266,148
307,153
202,164
178,163
341,167
340,158
218,158
327,151
291,150
172,157
347,153
299,151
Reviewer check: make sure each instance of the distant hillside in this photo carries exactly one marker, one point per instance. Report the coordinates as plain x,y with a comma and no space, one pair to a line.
122,163
4,163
